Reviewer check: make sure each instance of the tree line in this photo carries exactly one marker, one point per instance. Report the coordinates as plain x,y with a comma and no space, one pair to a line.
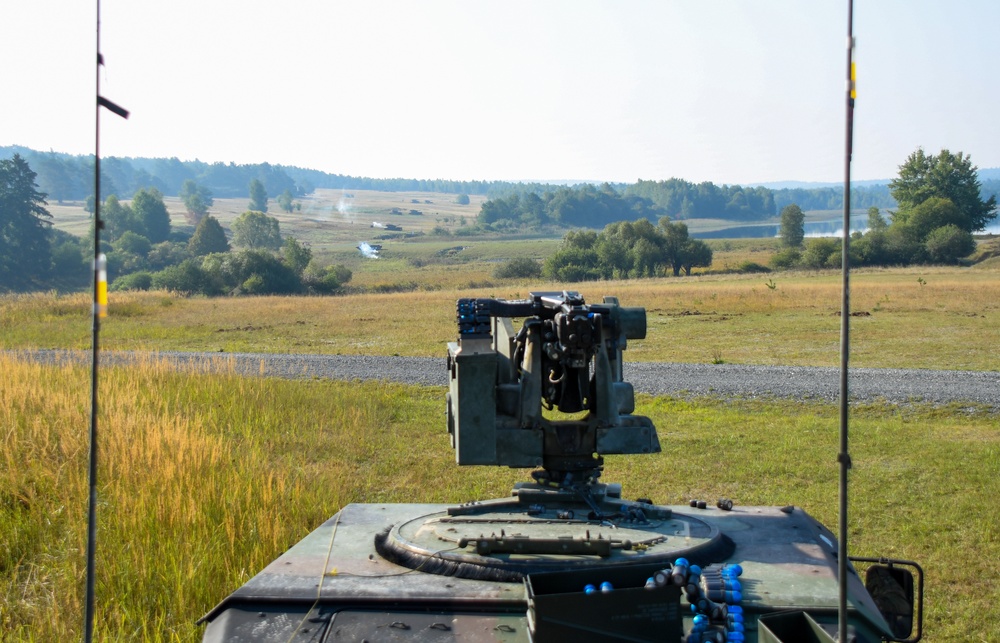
65,177
627,249
582,206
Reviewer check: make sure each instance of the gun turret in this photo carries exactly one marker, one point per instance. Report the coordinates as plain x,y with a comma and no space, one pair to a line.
566,359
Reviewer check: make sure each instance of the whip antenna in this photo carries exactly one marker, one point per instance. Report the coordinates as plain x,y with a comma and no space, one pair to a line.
100,310
844,457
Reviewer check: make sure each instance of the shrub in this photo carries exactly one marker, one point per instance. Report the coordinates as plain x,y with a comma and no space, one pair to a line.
167,253
572,264
750,267
236,269
187,277
142,280
949,243
788,258
822,253
326,280
518,268
133,243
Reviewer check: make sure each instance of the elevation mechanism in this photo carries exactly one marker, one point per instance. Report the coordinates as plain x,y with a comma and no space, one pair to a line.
567,358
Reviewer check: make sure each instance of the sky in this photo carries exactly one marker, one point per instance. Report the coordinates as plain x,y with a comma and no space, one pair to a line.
728,91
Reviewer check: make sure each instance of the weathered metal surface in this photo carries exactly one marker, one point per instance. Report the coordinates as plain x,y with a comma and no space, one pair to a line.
788,561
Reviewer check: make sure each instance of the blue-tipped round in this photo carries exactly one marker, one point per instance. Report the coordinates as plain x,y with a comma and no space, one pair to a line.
735,609
651,583
606,587
700,623
730,584
735,637
589,589
679,572
734,569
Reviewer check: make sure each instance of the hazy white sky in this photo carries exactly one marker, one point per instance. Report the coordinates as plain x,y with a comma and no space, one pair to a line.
730,91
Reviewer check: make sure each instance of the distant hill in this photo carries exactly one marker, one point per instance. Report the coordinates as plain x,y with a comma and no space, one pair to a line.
814,185
66,177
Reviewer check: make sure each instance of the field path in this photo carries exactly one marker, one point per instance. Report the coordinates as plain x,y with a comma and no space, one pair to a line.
687,380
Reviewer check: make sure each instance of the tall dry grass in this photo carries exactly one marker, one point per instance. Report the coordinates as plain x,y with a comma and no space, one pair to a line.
203,480
944,318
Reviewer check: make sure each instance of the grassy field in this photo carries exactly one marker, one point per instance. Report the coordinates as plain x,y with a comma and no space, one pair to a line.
204,479
924,317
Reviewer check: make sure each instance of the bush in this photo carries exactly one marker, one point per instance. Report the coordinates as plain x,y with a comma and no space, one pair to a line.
326,280
136,281
788,258
167,253
896,245
122,263
518,268
572,264
823,252
188,278
133,243
949,243
237,269
751,267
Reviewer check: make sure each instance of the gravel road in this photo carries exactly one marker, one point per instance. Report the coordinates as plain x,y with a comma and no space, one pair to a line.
718,380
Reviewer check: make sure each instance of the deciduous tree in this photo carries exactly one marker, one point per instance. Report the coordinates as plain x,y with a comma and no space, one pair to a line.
944,175
117,218
151,215
792,229
254,229
697,254
197,200
258,196
296,255
876,221
285,201
208,237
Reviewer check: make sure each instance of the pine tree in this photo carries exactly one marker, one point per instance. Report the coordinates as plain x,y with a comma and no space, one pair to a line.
25,251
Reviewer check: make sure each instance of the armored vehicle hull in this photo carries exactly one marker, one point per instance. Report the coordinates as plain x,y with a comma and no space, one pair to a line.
343,583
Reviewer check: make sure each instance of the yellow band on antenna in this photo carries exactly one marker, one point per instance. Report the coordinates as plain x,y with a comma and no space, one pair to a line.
102,286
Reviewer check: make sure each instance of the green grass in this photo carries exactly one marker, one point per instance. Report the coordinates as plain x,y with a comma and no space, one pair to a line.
205,479
924,317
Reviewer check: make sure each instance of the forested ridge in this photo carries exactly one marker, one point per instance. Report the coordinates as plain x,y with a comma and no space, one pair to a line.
67,177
